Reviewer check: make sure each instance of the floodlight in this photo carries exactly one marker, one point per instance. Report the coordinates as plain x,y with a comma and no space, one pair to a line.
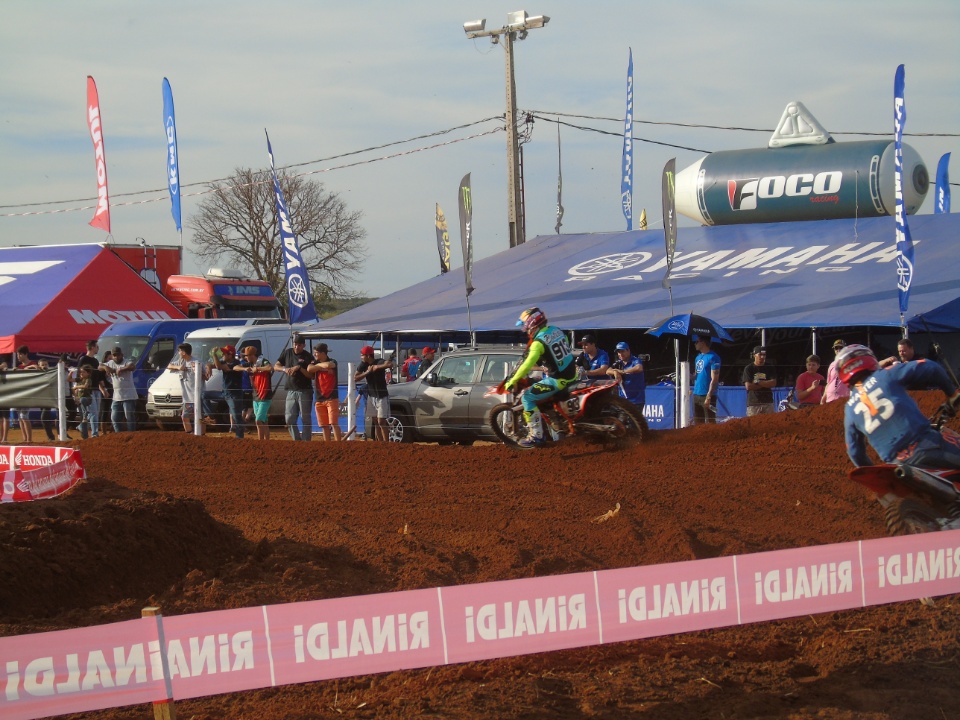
537,21
475,25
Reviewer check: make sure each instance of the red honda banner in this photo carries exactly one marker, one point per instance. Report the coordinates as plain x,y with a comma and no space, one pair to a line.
30,472
101,218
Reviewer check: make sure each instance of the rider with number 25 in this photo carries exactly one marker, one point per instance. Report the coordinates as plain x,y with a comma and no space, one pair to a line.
881,411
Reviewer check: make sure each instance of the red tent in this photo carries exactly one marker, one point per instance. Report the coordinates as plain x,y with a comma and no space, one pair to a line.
54,298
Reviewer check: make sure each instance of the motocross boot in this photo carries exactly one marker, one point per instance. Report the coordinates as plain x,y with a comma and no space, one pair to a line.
534,437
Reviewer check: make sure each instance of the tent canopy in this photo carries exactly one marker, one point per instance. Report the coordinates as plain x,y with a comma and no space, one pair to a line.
56,297
801,274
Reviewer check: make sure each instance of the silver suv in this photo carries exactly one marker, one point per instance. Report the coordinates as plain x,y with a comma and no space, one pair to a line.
447,404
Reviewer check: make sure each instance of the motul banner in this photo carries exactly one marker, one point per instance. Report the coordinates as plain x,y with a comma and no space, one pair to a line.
173,163
904,242
30,472
101,218
466,230
298,281
443,241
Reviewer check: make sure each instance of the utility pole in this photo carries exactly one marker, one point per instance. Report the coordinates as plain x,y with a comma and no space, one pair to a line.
518,23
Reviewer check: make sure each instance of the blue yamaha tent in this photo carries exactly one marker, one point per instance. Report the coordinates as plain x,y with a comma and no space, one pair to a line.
800,274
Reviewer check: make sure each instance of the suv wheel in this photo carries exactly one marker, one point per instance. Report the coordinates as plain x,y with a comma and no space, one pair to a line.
398,429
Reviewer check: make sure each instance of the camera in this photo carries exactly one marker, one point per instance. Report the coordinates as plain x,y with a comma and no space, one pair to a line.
644,358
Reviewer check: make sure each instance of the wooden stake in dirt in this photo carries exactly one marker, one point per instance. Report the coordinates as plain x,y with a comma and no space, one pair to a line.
162,709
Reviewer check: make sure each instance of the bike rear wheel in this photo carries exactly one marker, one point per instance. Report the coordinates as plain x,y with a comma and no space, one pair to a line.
630,426
908,516
507,423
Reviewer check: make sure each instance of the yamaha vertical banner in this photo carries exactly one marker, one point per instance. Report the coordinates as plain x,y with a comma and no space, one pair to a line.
669,195
443,241
173,165
942,200
101,217
465,203
626,174
904,242
298,282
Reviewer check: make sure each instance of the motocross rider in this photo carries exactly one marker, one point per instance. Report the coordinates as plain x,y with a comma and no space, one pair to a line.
548,347
880,410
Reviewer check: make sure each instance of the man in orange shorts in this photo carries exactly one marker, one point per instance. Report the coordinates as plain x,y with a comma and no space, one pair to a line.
326,397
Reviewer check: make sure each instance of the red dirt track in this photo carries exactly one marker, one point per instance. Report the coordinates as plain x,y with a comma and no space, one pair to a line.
195,524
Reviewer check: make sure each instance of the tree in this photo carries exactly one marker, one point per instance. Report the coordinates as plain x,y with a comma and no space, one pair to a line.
237,223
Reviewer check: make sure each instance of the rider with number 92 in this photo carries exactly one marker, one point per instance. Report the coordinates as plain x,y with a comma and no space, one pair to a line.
548,348
881,411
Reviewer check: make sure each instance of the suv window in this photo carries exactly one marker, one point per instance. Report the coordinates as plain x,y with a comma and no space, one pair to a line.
458,370
498,367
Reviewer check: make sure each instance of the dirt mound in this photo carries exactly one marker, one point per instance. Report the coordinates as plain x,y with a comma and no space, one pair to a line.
195,524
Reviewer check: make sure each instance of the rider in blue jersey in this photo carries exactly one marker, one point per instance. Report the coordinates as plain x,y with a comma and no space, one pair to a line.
550,349
881,411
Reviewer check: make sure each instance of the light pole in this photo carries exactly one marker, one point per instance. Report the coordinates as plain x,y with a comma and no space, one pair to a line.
518,23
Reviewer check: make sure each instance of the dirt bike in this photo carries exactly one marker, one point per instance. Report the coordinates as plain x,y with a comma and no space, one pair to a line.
916,499
595,410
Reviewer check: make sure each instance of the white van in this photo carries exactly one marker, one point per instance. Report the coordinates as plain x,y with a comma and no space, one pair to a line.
165,401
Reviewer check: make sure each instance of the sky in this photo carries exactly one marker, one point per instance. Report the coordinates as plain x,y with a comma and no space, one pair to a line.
330,80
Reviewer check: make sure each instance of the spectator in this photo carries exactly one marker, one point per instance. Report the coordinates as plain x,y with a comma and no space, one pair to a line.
374,370
706,379
323,369
408,371
428,358
106,395
759,383
187,367
294,362
226,362
627,369
46,414
120,372
82,393
810,384
96,379
23,414
834,389
905,352
261,374
594,361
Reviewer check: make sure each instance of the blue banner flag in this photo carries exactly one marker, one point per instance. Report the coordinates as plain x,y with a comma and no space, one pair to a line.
298,282
904,242
173,164
942,201
626,175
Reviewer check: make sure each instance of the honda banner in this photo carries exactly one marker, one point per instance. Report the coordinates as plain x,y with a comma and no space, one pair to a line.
298,281
904,242
101,217
173,166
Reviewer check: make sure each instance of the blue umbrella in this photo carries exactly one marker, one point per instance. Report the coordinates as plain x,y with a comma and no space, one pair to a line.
688,324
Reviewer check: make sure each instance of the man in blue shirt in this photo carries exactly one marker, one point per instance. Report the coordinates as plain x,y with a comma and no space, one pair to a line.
628,371
881,411
594,361
707,377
